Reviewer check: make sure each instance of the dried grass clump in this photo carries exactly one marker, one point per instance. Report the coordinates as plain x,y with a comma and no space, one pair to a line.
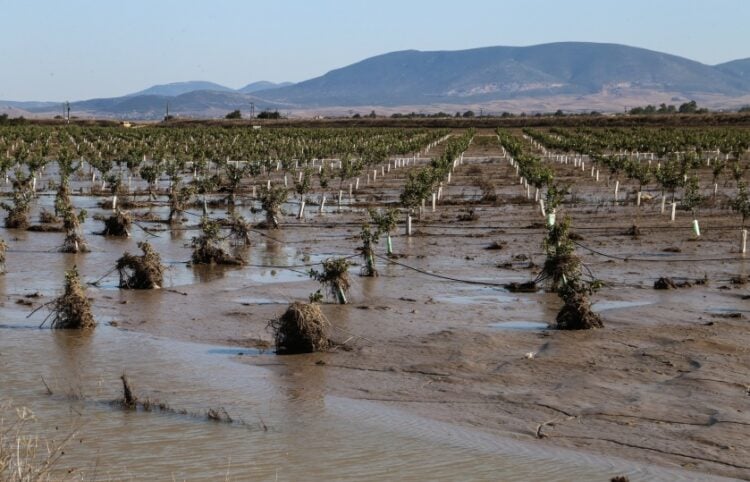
487,187
664,283
301,329
469,215
72,310
141,272
117,225
17,219
48,217
211,254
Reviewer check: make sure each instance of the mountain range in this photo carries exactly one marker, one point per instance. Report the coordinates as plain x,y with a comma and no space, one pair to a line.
569,75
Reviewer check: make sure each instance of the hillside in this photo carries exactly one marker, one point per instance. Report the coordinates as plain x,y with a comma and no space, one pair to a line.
740,68
492,73
573,76
179,88
262,85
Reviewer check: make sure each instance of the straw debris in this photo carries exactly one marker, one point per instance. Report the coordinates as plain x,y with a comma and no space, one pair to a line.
72,310
141,272
301,329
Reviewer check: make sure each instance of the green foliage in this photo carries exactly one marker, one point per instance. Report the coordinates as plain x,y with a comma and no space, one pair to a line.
638,171
741,202
304,186
316,297
418,186
324,175
692,198
555,196
670,176
369,237
271,200
334,277
385,221
235,114
18,210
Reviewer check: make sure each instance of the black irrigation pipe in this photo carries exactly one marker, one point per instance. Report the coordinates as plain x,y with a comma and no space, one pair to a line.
440,276
653,260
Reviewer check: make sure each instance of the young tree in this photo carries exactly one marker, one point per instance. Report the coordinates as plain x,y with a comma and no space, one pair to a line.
271,200
18,211
334,277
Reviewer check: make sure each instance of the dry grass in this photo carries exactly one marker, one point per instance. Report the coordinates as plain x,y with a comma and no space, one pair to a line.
301,329
25,456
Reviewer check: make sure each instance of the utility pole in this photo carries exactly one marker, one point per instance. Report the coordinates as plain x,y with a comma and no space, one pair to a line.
252,110
166,117
67,116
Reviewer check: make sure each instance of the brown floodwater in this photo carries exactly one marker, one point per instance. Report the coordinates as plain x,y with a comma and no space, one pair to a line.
286,425
283,430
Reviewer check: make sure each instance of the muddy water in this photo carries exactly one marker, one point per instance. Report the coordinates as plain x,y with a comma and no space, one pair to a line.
286,427
289,429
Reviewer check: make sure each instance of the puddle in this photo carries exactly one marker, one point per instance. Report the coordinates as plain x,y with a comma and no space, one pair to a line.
487,295
520,325
605,305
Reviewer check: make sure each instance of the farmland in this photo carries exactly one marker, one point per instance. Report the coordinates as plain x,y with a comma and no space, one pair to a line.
451,310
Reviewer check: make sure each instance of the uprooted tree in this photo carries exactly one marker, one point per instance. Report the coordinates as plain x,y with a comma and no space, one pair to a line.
207,247
143,272
563,271
117,224
72,310
301,329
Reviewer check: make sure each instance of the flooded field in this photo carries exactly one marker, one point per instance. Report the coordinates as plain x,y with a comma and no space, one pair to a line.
441,372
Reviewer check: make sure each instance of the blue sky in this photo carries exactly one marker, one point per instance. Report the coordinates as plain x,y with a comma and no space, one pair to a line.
78,49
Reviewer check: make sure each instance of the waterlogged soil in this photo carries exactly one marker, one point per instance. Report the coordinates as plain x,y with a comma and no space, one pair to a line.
661,392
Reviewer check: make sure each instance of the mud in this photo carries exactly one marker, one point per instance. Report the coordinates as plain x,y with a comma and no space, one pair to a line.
663,386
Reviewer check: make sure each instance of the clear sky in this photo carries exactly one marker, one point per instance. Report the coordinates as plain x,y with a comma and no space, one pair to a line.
79,49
